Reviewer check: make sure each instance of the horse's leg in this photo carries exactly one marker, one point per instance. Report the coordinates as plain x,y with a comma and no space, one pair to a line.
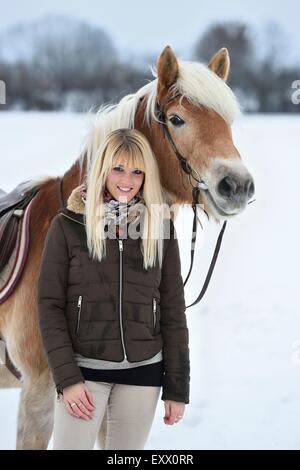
36,406
19,329
23,342
35,418
7,379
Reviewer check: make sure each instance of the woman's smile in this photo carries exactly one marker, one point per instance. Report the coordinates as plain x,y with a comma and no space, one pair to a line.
124,181
124,190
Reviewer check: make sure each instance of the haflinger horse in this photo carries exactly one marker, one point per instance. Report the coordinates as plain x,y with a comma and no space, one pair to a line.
198,109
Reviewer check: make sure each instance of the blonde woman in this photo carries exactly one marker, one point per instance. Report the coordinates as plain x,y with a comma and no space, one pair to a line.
111,302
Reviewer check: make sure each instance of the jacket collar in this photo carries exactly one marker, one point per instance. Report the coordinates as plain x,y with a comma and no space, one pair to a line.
75,208
75,202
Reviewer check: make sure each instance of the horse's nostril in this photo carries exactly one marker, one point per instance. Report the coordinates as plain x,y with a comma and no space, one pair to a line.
227,187
250,189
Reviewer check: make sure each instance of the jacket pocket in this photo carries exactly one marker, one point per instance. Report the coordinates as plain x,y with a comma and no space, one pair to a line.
156,315
79,306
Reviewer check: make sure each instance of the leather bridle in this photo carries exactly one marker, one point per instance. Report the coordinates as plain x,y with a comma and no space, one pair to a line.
196,188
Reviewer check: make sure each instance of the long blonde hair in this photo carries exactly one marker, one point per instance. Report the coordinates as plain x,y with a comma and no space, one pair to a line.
139,154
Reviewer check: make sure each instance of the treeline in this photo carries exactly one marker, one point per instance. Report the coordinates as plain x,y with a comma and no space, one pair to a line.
63,64
66,65
259,72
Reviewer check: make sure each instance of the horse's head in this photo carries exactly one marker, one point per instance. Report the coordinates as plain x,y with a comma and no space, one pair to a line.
198,108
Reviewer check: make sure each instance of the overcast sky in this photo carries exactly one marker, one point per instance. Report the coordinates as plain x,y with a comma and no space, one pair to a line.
147,26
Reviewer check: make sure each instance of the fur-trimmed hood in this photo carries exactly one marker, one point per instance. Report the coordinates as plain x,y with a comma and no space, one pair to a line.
68,273
75,208
75,202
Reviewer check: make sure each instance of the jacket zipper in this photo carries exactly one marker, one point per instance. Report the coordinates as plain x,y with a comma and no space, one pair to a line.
78,313
154,311
120,296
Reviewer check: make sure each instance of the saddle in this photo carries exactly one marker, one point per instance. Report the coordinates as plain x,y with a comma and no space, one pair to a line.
14,226
17,198
15,210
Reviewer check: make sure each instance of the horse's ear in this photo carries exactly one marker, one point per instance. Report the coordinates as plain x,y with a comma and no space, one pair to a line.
220,63
167,71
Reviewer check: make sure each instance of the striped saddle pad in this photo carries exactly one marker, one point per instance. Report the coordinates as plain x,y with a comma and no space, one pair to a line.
11,272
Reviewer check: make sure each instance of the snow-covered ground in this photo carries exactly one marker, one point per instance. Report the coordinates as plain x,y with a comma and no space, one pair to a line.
245,335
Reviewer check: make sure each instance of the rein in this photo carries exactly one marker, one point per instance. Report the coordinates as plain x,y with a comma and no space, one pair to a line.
200,184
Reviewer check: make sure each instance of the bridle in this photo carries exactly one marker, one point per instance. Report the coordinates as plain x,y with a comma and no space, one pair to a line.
196,188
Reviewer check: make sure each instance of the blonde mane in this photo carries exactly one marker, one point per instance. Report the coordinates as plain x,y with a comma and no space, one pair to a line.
196,82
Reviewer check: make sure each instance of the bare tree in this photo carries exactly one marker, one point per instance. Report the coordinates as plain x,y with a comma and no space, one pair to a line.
257,74
73,57
236,37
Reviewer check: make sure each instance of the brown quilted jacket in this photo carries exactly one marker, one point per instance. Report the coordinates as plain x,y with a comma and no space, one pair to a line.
113,309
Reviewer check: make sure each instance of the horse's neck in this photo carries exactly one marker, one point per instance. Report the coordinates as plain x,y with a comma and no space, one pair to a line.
73,178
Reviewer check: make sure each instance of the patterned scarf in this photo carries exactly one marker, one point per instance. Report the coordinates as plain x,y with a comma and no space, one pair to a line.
119,214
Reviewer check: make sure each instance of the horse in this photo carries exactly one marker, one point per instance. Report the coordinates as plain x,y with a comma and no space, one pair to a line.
198,108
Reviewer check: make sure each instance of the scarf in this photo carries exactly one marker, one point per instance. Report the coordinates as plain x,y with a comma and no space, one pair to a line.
119,214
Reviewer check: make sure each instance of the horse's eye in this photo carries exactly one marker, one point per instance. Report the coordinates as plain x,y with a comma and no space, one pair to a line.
176,120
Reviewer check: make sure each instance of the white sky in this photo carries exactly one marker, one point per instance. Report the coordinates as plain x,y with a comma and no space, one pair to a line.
146,27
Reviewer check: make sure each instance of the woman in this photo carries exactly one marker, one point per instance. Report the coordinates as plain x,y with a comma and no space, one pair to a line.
111,302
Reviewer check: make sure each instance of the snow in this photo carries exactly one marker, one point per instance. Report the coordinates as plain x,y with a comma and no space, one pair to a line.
245,334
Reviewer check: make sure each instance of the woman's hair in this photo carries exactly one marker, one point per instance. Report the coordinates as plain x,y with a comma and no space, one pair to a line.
134,146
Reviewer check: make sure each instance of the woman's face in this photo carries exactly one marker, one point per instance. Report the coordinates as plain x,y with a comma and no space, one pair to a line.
123,181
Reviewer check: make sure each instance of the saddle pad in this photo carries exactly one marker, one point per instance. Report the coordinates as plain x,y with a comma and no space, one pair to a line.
10,275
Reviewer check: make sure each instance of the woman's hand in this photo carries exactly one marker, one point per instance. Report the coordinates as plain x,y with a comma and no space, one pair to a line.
79,401
174,411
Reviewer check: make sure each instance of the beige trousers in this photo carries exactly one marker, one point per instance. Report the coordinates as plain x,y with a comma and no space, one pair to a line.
130,414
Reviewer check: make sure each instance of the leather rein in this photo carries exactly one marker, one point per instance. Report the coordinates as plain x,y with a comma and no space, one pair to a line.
195,193
200,184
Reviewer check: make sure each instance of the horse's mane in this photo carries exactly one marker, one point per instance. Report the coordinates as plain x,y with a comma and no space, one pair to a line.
196,82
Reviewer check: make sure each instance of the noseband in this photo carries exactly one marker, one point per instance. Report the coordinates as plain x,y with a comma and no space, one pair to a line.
200,185
196,188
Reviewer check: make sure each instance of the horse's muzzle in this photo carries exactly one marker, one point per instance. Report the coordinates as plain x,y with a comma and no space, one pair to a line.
231,188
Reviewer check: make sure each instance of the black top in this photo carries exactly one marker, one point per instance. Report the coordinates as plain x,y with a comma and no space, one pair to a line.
149,375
